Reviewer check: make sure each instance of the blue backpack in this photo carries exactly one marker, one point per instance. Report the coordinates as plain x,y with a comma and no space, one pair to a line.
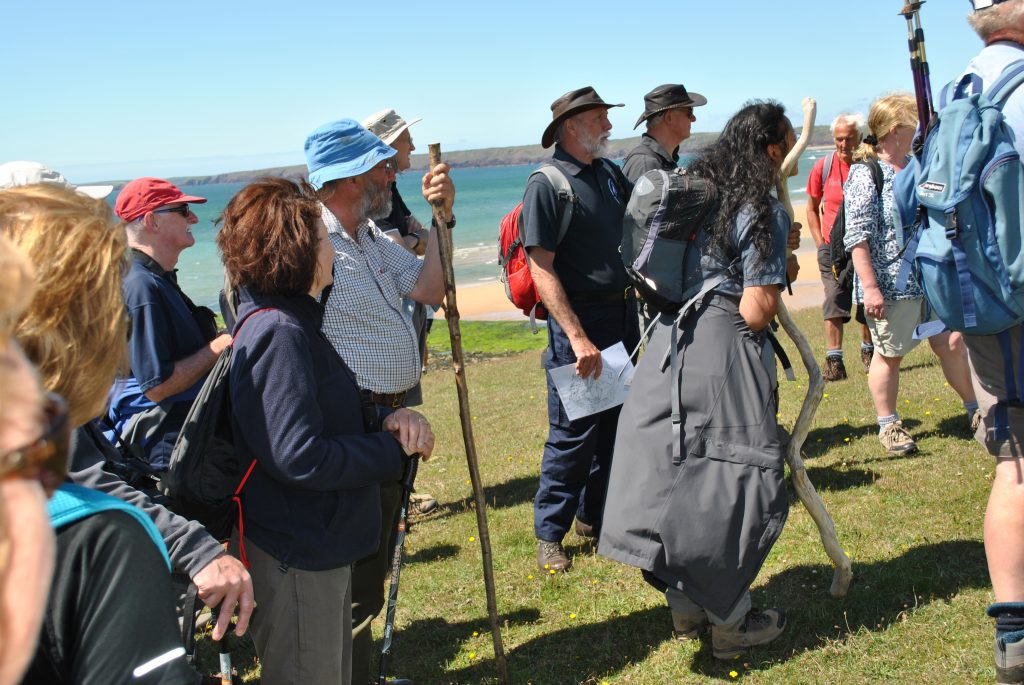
963,203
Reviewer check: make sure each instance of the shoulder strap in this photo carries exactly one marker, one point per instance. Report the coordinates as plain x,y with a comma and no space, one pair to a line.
876,175
826,170
556,177
1007,82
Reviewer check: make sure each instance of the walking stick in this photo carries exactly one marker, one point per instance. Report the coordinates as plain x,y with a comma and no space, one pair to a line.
815,387
451,313
402,527
919,68
224,652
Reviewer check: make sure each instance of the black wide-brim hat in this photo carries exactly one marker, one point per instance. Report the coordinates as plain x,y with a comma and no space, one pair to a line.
668,96
573,102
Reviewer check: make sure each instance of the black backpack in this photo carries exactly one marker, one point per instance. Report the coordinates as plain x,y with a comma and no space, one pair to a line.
205,477
664,214
842,265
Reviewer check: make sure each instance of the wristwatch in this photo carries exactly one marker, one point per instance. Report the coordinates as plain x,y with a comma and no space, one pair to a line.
449,225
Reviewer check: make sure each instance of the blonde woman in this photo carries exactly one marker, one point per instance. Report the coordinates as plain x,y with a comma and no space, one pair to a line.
74,331
26,539
892,314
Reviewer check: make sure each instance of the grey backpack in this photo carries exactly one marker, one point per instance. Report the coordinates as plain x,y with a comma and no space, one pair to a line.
664,214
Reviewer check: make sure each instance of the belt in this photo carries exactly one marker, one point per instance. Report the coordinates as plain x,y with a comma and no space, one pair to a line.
392,400
601,295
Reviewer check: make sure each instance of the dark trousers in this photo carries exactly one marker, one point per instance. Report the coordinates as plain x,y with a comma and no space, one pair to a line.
577,454
368,576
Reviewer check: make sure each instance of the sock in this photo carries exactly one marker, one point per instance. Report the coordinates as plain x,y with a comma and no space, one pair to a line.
1009,618
884,421
970,408
866,347
837,354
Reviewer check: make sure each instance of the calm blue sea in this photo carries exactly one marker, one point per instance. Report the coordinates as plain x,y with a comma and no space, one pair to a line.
483,196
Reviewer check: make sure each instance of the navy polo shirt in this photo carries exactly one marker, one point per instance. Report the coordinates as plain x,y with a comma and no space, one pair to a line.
163,331
588,258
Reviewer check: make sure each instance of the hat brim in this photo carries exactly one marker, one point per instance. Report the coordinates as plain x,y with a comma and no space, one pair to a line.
191,199
393,136
353,167
95,192
548,138
696,100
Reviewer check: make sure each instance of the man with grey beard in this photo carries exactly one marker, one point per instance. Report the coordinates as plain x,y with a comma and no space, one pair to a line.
584,288
352,171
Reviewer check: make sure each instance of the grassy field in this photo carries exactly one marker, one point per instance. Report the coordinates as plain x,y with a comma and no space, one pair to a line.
912,526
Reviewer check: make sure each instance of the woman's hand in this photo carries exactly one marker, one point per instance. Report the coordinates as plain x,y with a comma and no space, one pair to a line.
412,431
874,303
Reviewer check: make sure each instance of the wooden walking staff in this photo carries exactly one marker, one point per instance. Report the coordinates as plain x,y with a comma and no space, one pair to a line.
815,387
451,313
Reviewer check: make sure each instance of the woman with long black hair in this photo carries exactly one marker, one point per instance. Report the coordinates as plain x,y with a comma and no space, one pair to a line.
696,497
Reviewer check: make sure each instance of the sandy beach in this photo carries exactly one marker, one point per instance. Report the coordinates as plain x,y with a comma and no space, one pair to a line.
487,301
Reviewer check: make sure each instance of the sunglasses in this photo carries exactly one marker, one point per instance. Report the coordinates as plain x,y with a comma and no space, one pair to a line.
46,459
387,165
183,210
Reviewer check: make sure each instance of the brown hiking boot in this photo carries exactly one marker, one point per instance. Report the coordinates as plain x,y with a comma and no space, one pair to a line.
421,504
551,556
585,530
756,628
865,357
689,626
975,420
896,440
834,370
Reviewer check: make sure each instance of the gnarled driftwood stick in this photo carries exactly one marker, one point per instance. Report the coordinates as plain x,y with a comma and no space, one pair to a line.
815,387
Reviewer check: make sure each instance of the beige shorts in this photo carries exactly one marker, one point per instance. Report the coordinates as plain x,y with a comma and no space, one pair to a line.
893,336
989,378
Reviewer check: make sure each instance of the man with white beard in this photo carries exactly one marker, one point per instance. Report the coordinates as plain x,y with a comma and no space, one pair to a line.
584,287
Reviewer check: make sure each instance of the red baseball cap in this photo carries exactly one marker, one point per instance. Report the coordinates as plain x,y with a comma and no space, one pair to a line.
146,194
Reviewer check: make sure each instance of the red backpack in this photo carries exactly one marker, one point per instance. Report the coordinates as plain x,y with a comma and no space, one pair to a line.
515,271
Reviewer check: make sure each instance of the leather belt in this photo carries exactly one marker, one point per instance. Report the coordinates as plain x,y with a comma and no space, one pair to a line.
392,400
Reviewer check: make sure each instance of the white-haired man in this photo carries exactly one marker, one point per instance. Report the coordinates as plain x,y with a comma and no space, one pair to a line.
824,197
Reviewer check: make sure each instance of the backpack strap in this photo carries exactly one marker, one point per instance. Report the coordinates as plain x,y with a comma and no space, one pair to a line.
826,170
1006,84
1013,382
558,180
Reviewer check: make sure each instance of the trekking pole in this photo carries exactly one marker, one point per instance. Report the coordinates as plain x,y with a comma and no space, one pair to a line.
451,313
402,527
843,573
224,652
919,69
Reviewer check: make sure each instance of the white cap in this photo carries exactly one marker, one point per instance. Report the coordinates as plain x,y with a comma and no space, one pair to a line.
13,174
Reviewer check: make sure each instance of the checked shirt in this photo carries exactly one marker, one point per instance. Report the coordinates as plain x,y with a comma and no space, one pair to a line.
364,318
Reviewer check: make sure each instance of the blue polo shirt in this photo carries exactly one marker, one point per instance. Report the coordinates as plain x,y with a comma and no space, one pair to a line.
163,330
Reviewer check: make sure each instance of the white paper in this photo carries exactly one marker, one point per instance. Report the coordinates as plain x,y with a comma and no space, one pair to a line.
585,396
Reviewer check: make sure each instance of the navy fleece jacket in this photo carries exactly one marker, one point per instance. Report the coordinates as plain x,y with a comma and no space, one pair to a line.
313,501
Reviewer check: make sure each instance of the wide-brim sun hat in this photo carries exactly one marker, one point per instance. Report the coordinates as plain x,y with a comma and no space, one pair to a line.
387,125
343,149
14,174
147,194
573,102
666,97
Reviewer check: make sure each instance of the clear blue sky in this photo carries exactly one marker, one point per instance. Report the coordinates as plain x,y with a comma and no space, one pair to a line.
106,90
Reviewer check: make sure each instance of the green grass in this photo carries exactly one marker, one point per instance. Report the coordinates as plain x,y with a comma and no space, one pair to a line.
488,338
912,526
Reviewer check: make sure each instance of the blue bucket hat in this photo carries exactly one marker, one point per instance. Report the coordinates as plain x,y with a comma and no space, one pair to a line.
342,149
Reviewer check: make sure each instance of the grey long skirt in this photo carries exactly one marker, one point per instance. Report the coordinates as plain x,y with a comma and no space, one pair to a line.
703,526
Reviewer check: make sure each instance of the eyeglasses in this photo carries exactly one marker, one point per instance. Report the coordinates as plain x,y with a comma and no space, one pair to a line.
387,165
183,210
46,459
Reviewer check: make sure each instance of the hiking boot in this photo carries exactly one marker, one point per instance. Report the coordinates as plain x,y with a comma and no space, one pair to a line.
835,370
756,628
421,504
896,440
866,353
689,626
585,530
551,556
1009,662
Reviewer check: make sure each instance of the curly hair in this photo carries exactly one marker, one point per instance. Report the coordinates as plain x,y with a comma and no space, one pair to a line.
269,238
743,173
17,284
74,329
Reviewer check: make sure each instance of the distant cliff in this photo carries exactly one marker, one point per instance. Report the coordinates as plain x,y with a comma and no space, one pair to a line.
493,156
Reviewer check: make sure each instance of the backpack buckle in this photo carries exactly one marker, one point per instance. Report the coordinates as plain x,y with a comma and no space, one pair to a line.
952,225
